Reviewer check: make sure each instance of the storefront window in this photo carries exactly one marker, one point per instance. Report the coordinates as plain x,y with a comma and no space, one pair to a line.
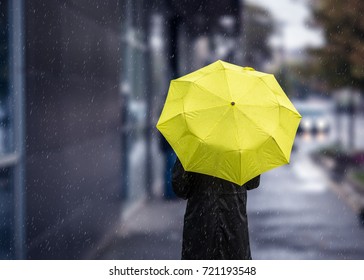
11,123
5,102
6,214
133,87
6,221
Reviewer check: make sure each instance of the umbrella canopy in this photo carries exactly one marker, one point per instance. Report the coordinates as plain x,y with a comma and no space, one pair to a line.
229,121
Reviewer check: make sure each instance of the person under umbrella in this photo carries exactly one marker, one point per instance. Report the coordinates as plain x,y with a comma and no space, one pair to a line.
215,222
227,124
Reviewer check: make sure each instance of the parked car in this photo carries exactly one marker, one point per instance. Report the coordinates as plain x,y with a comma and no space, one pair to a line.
315,117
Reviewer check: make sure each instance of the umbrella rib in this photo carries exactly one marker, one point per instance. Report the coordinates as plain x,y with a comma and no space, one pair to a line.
269,89
209,91
252,120
167,120
279,147
227,84
204,109
192,159
261,170
212,128
275,96
284,131
187,78
237,137
208,73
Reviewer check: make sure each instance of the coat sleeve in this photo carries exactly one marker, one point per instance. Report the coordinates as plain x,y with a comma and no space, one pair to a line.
253,183
181,180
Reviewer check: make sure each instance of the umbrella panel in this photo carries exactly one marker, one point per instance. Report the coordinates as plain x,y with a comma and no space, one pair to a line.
229,122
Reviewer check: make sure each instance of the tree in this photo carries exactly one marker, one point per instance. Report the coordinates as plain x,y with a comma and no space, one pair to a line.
341,59
258,26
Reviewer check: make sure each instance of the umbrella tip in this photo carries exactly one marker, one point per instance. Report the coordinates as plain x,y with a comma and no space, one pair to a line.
232,103
248,68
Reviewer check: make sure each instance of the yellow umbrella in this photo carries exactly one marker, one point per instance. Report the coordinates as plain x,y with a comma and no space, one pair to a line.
229,122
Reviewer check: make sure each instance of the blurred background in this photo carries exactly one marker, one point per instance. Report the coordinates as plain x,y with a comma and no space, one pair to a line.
84,174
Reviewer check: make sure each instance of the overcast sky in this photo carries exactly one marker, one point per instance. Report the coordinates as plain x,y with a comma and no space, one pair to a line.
291,14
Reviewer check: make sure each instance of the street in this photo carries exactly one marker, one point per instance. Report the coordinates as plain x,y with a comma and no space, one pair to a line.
294,214
298,214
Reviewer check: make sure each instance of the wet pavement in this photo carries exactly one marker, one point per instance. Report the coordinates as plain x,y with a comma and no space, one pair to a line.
294,214
297,215
153,231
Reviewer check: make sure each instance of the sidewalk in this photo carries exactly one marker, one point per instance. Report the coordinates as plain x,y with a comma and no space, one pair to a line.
295,214
341,185
154,224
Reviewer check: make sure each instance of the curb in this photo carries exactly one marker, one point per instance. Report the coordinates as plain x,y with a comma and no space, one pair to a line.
119,229
343,188
350,195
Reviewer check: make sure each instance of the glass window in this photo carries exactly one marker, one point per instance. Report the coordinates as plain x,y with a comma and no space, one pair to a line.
8,158
6,215
6,143
5,190
133,91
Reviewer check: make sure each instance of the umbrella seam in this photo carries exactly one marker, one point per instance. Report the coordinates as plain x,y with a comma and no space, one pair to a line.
222,63
279,148
270,90
227,84
237,141
167,99
205,109
183,107
209,91
199,70
261,171
187,126
193,154
208,134
204,75
284,131
261,78
247,91
253,121
161,123
192,159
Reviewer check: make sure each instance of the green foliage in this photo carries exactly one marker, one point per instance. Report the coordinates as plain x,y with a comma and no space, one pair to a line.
357,177
341,60
258,27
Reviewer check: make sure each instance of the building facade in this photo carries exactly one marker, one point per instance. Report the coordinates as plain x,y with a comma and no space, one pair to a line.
82,83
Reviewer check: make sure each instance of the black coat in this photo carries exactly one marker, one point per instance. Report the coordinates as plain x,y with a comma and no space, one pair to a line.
215,222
